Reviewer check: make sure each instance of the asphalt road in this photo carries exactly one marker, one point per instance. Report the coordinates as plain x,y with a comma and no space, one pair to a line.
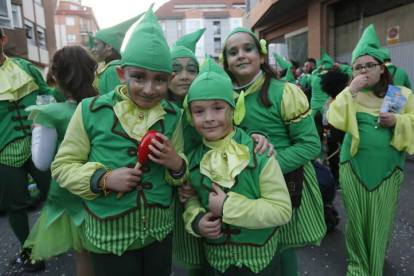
328,259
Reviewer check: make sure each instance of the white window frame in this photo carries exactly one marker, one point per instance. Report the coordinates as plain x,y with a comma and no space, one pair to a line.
38,2
9,17
32,39
42,43
18,23
71,36
70,23
74,7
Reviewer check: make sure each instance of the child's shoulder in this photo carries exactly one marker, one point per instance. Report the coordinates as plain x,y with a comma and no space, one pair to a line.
170,107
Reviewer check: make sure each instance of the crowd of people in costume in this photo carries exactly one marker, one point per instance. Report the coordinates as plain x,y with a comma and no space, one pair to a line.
229,187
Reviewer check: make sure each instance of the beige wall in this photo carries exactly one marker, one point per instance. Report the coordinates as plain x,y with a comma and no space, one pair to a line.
347,36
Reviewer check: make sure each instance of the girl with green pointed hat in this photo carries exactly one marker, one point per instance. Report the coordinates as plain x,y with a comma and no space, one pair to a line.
61,226
280,111
128,235
106,47
234,184
372,154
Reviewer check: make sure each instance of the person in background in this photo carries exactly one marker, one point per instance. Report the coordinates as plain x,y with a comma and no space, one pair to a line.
399,76
106,47
20,84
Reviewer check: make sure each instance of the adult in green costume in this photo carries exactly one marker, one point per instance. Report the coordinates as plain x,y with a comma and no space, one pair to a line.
106,47
187,249
372,155
250,195
128,235
399,76
20,84
281,112
61,226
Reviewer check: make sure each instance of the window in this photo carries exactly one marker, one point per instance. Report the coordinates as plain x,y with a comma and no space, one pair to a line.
216,28
70,21
17,16
179,28
6,14
217,45
71,38
30,35
41,37
74,7
38,1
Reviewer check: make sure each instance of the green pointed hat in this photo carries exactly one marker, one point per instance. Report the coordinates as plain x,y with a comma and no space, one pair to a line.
185,46
241,30
90,35
115,34
212,83
326,61
282,63
386,53
289,76
146,46
368,45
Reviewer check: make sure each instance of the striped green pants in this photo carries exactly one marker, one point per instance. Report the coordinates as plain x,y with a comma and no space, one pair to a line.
370,220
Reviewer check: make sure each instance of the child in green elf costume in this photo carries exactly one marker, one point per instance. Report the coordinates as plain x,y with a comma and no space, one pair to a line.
132,234
372,155
106,47
242,196
61,226
187,249
20,84
280,111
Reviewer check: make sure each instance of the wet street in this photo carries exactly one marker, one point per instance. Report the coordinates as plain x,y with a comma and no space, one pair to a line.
328,259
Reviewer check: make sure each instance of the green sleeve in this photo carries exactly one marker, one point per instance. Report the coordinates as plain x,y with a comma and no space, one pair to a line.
38,78
407,82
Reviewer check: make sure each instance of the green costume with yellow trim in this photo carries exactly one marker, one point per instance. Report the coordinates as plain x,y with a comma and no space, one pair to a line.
372,163
61,226
257,200
20,84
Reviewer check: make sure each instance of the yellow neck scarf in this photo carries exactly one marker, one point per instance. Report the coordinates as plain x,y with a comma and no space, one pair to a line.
224,161
14,82
135,120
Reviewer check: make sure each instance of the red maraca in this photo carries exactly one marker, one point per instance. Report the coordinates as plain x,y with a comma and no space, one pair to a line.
144,150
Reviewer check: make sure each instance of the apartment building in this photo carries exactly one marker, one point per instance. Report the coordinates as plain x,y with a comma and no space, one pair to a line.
73,23
219,17
28,28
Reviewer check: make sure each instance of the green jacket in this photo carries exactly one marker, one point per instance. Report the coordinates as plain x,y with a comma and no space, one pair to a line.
399,75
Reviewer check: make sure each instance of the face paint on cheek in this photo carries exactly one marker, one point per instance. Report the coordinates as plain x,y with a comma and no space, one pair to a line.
138,85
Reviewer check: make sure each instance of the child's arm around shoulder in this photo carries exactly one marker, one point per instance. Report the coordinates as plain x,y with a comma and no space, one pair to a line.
272,209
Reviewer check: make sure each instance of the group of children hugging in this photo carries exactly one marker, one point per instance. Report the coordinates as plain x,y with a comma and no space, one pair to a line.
229,188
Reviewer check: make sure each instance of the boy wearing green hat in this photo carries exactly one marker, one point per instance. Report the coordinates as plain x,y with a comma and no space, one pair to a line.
286,67
106,47
130,235
399,75
242,196
372,154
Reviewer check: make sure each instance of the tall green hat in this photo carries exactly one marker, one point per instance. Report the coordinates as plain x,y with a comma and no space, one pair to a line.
185,46
386,53
326,61
282,63
289,76
146,46
213,83
115,34
368,45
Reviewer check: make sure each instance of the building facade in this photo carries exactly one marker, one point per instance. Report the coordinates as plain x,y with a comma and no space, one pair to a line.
219,17
298,29
73,22
29,30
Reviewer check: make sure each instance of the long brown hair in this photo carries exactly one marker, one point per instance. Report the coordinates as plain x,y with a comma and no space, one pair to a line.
266,69
74,68
381,88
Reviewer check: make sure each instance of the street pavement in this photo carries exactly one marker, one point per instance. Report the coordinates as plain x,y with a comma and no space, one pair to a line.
328,259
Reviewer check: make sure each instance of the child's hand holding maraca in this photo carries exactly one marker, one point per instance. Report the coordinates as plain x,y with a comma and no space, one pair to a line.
165,154
122,179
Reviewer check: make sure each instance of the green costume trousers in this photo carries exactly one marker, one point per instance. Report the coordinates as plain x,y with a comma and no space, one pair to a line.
153,259
370,220
15,196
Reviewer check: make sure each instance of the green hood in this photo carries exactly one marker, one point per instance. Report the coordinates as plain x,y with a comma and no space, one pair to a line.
185,46
368,45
